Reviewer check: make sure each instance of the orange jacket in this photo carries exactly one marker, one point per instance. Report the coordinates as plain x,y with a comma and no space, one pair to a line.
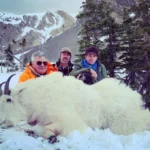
27,74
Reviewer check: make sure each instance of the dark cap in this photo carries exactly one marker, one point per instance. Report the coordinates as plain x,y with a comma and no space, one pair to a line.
92,50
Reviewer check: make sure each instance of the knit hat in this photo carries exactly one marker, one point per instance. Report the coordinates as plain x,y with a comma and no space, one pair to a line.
92,49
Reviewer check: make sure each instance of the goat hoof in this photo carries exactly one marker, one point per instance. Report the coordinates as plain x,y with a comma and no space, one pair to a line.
52,139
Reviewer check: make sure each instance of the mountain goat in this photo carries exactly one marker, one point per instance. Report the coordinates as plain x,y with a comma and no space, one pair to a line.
57,105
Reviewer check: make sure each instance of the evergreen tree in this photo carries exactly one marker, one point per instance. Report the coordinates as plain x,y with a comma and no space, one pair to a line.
25,60
9,60
14,42
22,57
90,31
110,31
136,48
97,23
23,43
127,47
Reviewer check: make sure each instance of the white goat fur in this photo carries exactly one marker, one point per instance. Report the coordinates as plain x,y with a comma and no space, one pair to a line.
63,104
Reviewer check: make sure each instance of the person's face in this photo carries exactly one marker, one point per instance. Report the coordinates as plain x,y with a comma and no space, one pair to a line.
40,64
91,58
65,57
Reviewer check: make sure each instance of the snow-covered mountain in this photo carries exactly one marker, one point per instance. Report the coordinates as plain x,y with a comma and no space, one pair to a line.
36,28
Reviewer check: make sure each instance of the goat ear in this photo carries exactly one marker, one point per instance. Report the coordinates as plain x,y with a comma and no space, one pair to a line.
21,90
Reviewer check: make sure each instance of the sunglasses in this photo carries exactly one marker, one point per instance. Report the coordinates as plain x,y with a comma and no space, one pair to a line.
42,62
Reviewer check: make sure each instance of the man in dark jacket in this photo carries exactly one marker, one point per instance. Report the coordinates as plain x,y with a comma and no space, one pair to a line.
64,64
90,66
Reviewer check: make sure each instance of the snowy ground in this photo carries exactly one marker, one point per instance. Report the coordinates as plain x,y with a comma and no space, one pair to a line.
13,139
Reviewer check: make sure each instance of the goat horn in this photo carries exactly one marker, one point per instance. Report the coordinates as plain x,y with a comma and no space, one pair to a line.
6,89
1,91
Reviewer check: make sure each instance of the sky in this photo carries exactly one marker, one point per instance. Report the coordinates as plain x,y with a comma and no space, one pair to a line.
32,6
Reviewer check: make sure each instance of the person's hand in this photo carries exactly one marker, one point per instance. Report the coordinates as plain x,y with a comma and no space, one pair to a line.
93,73
81,77
78,76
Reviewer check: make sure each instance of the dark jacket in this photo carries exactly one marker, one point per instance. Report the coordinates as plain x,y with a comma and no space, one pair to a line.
66,71
101,71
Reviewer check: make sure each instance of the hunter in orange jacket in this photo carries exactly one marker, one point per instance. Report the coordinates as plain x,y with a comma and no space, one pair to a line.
38,66
29,74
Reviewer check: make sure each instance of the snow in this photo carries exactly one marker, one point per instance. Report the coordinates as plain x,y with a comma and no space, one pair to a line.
9,18
18,57
74,15
25,31
47,30
103,38
39,16
4,77
13,139
132,15
16,139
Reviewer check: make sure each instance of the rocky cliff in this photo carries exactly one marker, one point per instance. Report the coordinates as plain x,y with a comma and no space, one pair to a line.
36,28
